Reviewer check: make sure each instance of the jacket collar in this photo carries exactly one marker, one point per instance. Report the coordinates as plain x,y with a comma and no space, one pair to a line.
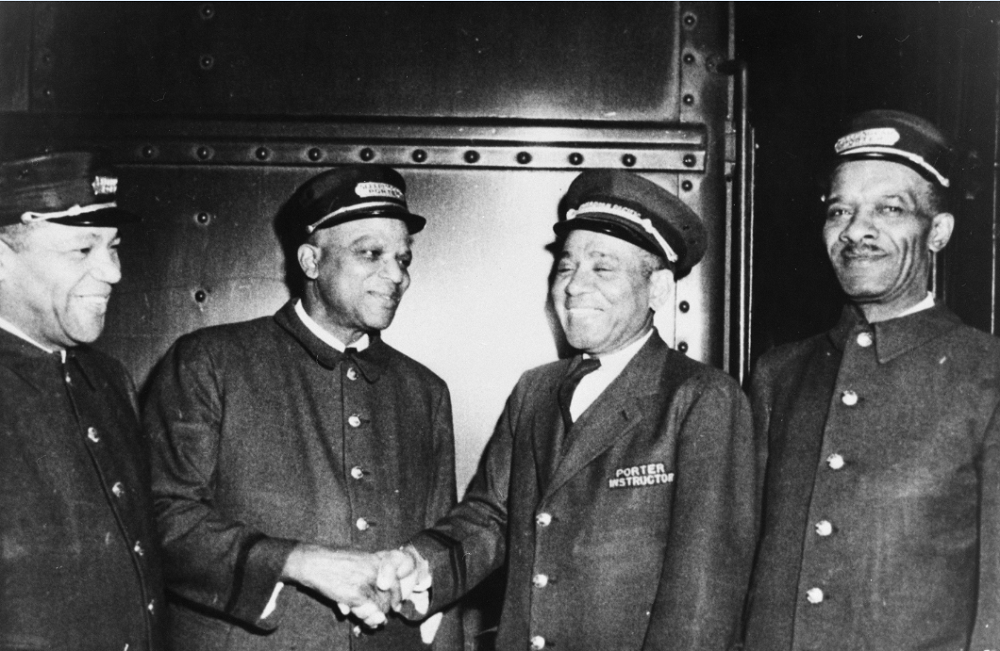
895,336
28,360
372,361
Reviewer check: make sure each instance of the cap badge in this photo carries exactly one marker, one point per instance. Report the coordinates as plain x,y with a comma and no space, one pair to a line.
884,137
104,185
384,190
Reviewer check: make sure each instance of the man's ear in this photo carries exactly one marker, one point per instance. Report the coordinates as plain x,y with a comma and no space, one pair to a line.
661,289
309,255
941,228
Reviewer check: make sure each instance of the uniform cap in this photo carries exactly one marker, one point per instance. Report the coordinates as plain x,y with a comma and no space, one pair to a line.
62,188
350,193
632,208
899,137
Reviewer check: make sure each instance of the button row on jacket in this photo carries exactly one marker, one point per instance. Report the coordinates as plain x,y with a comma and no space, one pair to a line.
537,642
814,595
865,339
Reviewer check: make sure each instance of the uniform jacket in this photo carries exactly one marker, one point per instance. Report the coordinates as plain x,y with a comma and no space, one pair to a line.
881,527
264,436
639,536
79,568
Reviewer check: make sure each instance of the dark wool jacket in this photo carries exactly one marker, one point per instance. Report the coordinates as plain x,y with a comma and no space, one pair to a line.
264,436
639,536
79,567
881,526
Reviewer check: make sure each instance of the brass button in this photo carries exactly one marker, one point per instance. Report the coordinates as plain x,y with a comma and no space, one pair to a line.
835,461
352,374
865,339
151,606
361,524
537,643
543,519
354,420
68,379
824,528
118,489
357,472
138,548
849,398
92,434
356,631
814,596
540,580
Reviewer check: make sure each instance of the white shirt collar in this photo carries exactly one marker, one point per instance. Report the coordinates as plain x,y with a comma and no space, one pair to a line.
324,335
612,365
925,304
17,332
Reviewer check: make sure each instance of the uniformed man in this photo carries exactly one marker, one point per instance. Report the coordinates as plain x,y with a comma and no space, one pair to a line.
619,487
881,527
79,567
283,442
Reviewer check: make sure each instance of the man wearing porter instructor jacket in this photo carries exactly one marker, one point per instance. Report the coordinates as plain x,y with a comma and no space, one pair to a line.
619,486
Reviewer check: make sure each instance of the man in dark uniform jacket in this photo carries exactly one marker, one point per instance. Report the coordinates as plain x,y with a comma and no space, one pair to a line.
619,486
881,527
282,443
79,567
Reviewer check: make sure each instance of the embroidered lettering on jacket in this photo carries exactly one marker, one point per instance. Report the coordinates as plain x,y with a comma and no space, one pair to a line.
649,474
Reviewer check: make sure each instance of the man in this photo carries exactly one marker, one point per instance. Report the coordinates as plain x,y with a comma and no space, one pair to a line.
624,510
283,442
881,524
79,567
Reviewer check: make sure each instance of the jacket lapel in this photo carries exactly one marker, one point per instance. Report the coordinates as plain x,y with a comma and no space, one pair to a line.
612,416
547,428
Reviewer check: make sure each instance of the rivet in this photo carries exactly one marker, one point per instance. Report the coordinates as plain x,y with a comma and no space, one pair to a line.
689,160
523,157
418,155
690,20
47,57
315,154
471,156
206,11
203,152
202,218
367,154
148,151
688,99
200,296
48,93
262,153
628,160
688,58
683,347
576,158
684,306
206,61
686,186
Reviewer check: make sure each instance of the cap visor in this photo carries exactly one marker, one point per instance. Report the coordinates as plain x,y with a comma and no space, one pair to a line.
110,217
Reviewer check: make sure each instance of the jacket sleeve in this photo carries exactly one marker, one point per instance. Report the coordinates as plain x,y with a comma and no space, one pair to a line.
442,498
986,632
713,526
221,564
465,546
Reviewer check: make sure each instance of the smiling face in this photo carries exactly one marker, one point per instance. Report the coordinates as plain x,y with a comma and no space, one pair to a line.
360,273
879,236
603,291
56,280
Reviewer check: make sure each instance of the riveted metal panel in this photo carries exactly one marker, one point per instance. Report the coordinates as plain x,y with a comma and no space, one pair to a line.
514,60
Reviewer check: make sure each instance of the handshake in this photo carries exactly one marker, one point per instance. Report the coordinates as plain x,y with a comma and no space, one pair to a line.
363,584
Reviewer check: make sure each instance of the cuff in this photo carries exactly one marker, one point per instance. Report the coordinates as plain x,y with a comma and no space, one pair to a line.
259,565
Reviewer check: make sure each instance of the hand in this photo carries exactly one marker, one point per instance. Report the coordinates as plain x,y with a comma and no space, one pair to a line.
405,576
345,577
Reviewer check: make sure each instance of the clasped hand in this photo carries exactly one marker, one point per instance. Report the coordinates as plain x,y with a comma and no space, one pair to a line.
365,585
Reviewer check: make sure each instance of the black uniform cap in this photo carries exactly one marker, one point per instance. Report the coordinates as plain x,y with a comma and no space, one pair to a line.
634,209
62,188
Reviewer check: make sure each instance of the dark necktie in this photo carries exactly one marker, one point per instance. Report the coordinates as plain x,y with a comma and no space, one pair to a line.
568,386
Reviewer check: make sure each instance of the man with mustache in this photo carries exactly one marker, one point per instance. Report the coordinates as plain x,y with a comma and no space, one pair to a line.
283,443
881,526
79,566
619,487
